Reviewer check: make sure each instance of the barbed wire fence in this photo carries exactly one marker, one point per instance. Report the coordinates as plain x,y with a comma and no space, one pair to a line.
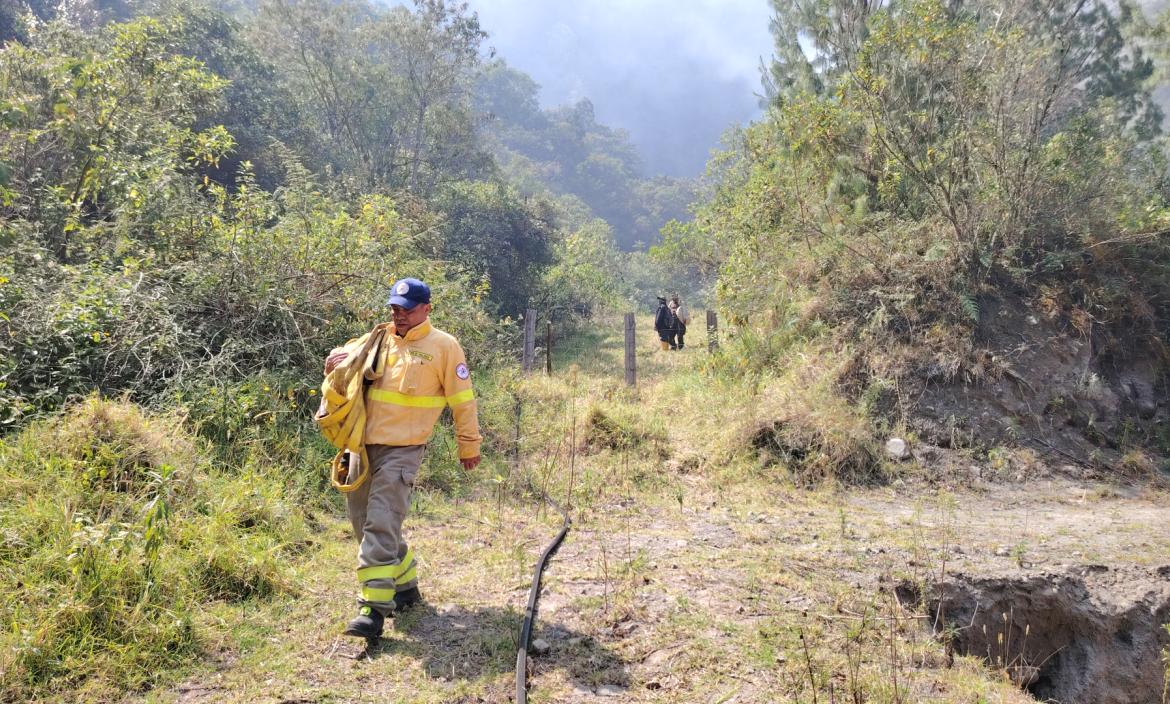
541,342
545,432
578,365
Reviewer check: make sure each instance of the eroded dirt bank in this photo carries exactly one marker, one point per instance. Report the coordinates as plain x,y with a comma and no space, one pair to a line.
1087,634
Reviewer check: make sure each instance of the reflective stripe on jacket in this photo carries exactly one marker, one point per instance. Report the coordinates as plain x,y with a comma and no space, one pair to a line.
424,371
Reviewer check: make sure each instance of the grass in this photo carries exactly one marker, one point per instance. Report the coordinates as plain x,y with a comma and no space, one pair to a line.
656,461
697,569
116,530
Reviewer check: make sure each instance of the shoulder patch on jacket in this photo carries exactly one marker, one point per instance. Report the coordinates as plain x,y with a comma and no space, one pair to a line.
462,371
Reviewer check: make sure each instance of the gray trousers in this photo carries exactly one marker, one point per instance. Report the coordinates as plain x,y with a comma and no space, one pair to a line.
376,509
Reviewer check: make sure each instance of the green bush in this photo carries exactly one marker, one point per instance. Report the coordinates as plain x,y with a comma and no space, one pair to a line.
117,527
125,268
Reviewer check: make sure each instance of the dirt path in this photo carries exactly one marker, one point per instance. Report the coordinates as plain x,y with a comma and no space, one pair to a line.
676,585
690,622
650,601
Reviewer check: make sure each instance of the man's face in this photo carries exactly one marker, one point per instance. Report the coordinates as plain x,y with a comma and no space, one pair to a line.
405,319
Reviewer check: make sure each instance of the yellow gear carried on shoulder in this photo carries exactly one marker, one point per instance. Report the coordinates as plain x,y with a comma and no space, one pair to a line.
342,415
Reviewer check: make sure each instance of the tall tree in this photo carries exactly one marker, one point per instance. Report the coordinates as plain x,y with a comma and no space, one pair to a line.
390,87
99,130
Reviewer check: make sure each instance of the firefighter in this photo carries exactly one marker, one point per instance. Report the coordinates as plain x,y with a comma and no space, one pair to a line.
424,371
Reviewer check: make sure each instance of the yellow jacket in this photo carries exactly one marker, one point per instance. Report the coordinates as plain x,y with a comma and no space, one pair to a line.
422,373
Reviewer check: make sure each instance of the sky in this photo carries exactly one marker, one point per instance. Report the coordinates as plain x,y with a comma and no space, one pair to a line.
674,73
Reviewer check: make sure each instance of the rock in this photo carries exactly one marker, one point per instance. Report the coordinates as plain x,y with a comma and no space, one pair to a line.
659,659
926,454
624,629
540,646
609,690
1003,551
897,449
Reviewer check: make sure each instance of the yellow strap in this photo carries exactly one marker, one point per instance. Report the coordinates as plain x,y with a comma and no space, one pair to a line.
342,391
376,362
461,397
339,472
337,416
400,399
332,397
352,429
375,594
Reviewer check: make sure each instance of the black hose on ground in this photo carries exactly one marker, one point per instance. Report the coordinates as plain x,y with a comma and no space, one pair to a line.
530,612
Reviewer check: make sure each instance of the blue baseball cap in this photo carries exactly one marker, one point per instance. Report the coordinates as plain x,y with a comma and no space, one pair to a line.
408,293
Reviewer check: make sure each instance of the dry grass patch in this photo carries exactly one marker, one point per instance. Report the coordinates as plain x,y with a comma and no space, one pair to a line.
804,424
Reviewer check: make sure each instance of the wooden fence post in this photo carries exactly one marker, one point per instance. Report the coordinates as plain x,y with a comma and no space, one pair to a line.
548,348
631,363
712,331
518,409
529,340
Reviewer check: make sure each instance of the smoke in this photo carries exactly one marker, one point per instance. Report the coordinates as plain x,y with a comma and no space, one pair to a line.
675,74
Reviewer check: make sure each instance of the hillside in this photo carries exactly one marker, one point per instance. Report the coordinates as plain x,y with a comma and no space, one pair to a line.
928,459
951,225
567,152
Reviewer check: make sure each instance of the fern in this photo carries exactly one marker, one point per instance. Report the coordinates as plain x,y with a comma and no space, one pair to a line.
970,308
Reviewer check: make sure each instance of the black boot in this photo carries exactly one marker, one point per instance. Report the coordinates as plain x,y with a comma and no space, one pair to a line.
405,599
368,624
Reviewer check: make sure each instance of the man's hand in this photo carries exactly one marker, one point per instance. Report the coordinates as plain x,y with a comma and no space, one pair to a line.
335,359
470,463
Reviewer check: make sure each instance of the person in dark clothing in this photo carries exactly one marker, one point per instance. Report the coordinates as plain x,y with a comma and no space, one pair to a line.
681,317
666,325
